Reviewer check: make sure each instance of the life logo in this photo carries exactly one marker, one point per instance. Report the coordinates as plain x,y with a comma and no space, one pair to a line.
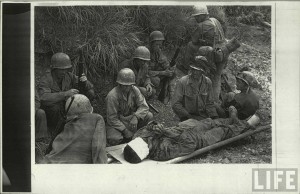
275,179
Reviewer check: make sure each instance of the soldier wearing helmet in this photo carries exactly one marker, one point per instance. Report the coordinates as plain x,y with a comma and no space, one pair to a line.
139,65
246,102
127,109
193,96
83,139
209,31
159,67
57,85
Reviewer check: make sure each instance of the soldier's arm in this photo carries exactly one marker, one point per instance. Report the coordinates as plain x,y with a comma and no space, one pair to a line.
88,87
46,96
177,101
112,113
142,105
99,143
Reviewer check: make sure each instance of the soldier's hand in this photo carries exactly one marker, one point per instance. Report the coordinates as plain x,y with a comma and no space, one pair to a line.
149,89
133,123
202,42
71,92
127,118
158,128
83,78
167,73
127,134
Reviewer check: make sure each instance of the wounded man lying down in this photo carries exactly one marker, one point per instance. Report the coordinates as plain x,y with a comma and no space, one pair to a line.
161,144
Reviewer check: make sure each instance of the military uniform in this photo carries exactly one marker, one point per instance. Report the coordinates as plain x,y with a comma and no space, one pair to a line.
210,30
193,99
40,119
53,98
119,107
245,103
82,141
188,137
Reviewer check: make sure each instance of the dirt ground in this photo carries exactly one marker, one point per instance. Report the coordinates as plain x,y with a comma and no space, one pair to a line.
255,55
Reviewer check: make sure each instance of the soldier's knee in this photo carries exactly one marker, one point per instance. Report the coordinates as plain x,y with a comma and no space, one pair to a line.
149,116
40,114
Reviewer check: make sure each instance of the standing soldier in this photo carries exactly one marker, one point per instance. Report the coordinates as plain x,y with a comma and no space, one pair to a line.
139,65
159,67
58,85
217,60
209,31
127,109
193,96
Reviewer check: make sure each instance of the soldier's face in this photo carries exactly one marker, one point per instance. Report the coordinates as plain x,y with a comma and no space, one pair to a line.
125,88
156,45
60,73
140,63
200,18
196,74
240,84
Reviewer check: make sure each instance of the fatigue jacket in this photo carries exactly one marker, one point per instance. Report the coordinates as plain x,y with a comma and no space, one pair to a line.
159,62
209,30
194,98
141,76
246,104
51,94
83,140
188,136
118,104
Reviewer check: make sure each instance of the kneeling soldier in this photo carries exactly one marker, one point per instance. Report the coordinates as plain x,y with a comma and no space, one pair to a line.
83,139
127,109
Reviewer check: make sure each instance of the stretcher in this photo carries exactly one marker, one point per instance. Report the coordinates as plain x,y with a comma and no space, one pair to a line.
117,151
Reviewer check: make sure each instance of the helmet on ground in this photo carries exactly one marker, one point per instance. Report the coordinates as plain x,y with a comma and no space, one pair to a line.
200,63
142,52
199,10
126,77
60,61
247,77
80,104
156,35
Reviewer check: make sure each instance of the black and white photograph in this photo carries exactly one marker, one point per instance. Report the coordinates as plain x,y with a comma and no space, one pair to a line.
150,97
171,84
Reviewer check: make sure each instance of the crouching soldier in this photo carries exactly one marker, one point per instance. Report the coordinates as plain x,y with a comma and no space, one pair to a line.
193,96
127,109
246,102
83,139
139,65
58,85
161,144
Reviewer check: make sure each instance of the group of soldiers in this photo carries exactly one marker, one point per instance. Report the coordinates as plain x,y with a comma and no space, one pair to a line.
193,87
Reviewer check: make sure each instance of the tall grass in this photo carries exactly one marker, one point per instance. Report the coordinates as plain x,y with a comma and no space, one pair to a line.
104,33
